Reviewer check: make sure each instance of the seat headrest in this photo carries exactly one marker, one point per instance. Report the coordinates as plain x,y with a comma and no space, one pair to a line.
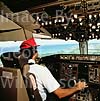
10,59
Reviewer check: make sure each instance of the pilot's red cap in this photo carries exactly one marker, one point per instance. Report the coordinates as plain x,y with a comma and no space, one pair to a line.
28,43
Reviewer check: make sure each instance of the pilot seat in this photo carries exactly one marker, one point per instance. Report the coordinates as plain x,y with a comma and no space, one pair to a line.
14,61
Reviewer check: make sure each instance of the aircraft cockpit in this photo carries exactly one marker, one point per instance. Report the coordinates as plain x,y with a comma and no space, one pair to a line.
68,36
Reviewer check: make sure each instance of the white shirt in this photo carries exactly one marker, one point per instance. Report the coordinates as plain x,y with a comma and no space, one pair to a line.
45,79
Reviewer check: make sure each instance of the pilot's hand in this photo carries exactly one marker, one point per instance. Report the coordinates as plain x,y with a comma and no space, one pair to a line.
81,85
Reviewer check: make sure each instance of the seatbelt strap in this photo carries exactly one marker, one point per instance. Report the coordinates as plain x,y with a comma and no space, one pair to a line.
35,90
30,63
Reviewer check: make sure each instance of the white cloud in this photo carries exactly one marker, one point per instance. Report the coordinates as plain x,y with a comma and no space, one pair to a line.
54,41
93,41
39,42
9,43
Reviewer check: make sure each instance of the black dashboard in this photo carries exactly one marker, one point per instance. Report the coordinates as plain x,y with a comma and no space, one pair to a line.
68,69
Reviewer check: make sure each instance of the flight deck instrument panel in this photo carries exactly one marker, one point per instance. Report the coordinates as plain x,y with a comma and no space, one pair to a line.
69,69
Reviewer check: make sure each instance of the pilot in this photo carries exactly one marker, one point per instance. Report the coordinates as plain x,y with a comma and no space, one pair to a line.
45,80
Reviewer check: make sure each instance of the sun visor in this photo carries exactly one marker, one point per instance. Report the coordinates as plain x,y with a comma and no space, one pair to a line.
10,31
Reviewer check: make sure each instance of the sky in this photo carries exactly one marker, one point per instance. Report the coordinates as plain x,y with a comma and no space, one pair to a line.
93,41
39,42
55,41
70,46
55,45
14,46
93,44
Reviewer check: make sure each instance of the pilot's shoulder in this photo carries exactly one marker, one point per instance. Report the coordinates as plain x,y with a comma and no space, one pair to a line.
41,65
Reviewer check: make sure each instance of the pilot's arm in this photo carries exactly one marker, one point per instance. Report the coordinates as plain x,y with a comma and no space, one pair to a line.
51,84
60,92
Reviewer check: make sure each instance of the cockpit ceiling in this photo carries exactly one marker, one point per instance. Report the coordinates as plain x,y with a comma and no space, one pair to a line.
65,19
37,5
72,19
19,5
